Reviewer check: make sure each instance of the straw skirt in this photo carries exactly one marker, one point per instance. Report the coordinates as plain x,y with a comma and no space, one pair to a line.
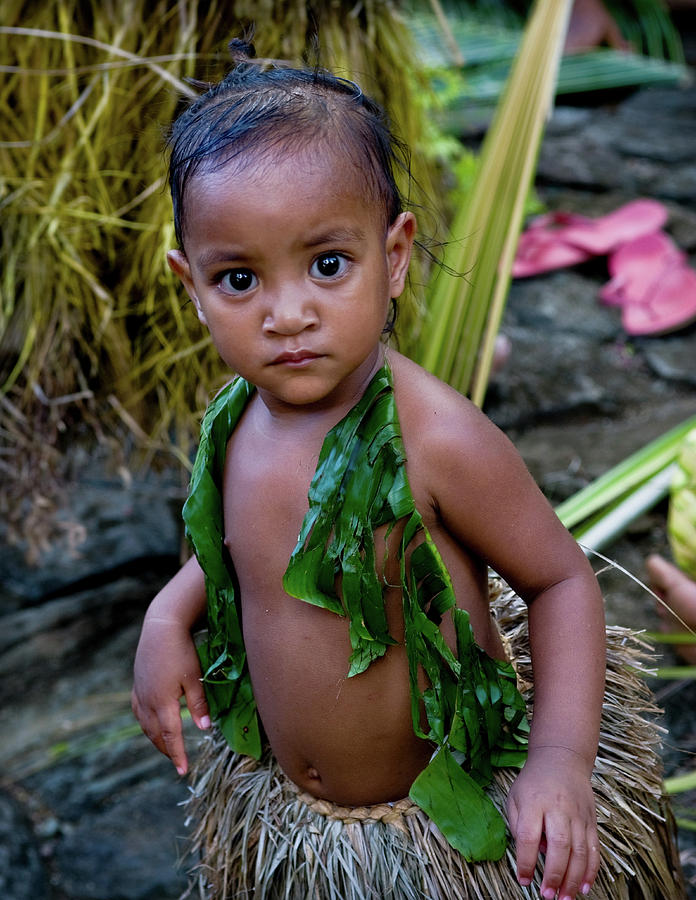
257,836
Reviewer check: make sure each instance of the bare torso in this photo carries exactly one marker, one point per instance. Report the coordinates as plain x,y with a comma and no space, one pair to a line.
348,740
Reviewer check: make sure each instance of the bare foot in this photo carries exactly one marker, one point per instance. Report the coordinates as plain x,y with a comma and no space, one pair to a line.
679,594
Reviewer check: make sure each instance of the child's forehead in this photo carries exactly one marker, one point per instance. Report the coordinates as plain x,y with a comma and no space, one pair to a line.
296,197
324,156
334,168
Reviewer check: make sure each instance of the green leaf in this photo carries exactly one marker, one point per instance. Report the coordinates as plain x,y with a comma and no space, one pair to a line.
461,810
241,726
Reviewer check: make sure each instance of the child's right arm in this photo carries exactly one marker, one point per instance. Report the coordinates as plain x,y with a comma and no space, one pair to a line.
167,666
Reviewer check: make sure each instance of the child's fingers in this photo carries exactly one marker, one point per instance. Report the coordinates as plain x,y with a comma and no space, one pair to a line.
527,831
195,700
593,860
576,872
559,845
171,736
162,727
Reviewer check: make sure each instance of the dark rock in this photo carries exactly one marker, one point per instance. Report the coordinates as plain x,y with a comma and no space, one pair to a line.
107,525
22,873
581,163
673,358
644,145
563,302
128,851
569,356
678,183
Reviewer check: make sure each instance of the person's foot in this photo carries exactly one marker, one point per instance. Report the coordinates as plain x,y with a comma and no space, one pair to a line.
678,592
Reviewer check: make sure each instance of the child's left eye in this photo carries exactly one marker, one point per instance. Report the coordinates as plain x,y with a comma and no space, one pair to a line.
328,265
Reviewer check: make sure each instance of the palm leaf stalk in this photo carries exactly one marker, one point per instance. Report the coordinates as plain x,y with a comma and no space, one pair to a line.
624,478
606,526
678,784
463,314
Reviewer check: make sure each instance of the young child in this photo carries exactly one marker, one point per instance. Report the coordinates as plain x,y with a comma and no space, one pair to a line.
355,642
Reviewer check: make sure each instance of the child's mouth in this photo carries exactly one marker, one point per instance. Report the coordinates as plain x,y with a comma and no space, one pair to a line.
295,358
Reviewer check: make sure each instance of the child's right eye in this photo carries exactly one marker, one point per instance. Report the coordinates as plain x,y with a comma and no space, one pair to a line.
237,281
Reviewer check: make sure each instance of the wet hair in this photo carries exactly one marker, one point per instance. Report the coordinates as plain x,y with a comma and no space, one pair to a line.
263,107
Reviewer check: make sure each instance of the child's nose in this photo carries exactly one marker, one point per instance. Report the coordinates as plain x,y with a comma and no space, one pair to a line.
290,312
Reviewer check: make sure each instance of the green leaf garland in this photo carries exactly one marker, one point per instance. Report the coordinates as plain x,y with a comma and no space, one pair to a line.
474,712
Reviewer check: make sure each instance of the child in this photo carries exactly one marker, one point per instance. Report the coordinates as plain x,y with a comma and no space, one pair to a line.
293,243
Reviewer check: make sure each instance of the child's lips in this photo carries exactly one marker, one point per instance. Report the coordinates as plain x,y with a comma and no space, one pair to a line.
295,358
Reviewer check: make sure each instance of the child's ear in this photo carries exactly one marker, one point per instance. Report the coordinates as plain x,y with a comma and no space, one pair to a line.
399,244
181,268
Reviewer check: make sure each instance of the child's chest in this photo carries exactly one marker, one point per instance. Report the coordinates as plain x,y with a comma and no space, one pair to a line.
265,486
265,500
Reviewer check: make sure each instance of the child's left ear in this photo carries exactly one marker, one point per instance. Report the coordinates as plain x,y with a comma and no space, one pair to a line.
398,246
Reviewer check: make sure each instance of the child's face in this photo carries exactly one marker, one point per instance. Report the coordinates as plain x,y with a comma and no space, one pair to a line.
289,266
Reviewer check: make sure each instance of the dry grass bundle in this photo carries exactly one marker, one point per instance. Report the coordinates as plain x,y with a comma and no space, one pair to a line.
93,328
84,214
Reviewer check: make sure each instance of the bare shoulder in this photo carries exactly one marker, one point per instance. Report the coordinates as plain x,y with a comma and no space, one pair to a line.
467,472
436,419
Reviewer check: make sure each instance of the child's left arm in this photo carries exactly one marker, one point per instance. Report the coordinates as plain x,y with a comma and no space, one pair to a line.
551,804
488,501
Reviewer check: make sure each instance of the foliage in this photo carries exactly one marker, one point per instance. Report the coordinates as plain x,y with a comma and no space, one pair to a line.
463,314
646,24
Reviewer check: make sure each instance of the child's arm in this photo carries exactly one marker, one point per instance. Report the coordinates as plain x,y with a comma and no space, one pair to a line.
167,666
551,803
488,501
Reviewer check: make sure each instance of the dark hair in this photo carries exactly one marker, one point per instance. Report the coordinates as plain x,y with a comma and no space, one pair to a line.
262,106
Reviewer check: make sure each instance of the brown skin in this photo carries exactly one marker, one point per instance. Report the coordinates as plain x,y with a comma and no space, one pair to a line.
351,740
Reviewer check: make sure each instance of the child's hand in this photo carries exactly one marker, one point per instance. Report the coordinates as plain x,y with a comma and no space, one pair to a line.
551,810
166,666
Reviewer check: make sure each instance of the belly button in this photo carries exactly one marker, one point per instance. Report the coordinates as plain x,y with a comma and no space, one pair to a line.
313,774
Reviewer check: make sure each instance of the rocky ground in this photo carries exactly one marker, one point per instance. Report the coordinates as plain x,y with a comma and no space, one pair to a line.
88,810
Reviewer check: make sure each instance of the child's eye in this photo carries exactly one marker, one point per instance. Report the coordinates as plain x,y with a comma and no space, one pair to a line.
236,281
328,265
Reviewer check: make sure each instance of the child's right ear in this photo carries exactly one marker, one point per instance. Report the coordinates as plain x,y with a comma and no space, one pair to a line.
181,268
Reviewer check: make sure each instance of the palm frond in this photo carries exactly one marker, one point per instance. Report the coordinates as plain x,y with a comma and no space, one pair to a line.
464,313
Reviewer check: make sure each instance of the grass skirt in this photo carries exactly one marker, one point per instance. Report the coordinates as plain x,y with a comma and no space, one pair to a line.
257,836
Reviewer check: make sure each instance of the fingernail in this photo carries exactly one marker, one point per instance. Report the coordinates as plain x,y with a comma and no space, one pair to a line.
205,722
549,894
586,888
525,882
181,770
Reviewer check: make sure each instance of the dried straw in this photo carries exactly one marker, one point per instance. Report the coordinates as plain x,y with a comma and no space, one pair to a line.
257,837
